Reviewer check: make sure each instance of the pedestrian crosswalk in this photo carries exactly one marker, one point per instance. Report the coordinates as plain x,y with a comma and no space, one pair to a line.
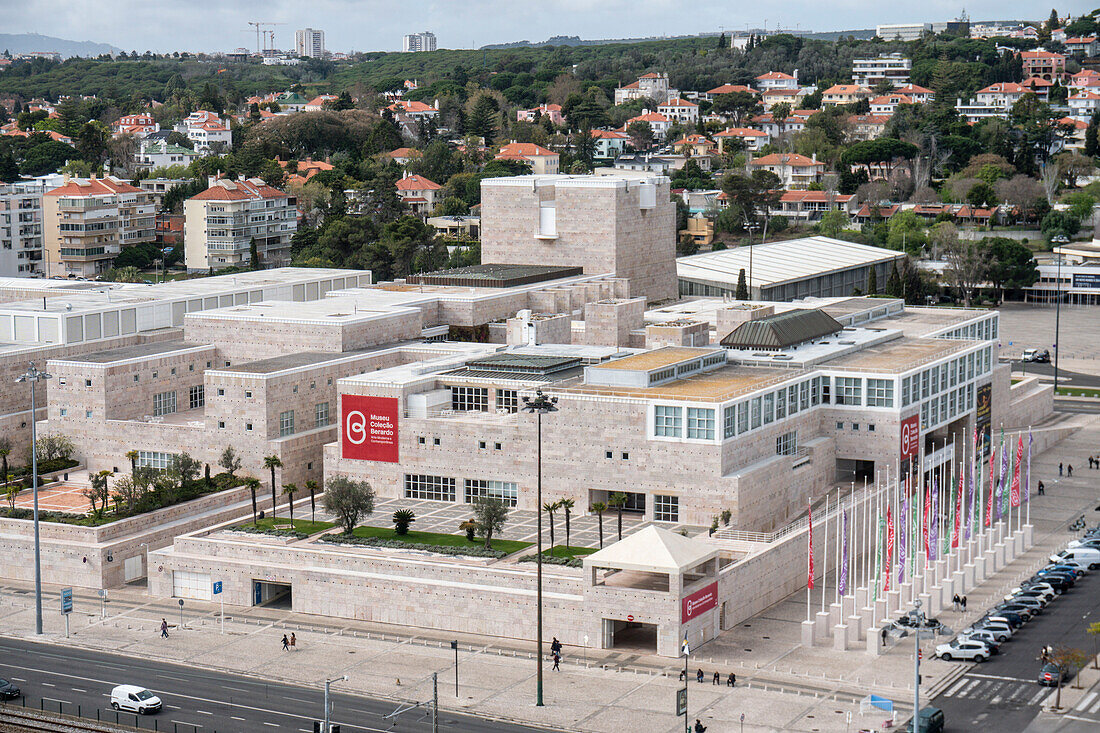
1090,704
999,690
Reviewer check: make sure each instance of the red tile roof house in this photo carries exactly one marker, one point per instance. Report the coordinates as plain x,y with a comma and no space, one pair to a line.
542,161
752,139
553,111
419,193
809,206
708,96
795,171
402,156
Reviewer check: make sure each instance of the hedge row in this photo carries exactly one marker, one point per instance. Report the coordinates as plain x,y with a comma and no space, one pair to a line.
473,551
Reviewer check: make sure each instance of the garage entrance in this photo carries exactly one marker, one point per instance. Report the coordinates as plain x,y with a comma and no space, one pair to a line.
186,584
630,636
271,595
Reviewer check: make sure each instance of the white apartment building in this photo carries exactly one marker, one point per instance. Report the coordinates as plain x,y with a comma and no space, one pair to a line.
902,31
649,86
309,43
891,67
681,110
160,154
221,223
418,42
21,229
207,131
87,222
777,80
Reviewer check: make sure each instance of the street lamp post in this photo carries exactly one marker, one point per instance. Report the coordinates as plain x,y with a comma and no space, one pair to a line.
540,405
1059,240
342,678
918,617
33,376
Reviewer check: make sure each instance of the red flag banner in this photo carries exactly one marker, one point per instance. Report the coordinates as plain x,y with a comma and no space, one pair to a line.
889,546
810,577
925,520
1016,472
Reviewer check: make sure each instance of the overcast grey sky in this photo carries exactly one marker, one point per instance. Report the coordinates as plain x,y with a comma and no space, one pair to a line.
365,25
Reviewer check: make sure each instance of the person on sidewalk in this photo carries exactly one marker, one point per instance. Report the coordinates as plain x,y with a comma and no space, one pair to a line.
717,678
955,602
557,661
699,676
1069,469
1042,489
1059,469
884,630
681,675
699,727
731,681
555,646
286,643
163,629
962,602
293,642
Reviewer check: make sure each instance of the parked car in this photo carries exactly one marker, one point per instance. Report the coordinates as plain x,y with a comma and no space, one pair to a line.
8,691
1040,597
931,721
1023,610
1001,630
1088,557
983,636
1016,617
1038,586
134,699
1093,542
1074,571
1067,577
1051,674
970,650
1041,356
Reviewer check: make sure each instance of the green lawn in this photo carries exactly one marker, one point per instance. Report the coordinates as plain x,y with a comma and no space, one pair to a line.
437,538
569,551
1079,392
301,525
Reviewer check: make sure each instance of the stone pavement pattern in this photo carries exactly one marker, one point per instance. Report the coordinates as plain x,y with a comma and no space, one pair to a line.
781,685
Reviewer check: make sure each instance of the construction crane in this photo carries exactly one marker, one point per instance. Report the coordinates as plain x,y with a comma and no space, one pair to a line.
257,25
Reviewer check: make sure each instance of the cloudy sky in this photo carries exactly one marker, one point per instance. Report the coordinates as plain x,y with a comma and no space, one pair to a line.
363,25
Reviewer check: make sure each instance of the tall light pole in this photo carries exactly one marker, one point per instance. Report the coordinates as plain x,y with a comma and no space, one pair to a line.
540,405
342,678
1059,240
33,376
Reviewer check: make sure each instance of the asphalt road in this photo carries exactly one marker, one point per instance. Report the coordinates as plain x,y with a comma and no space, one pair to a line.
1065,379
1002,694
201,700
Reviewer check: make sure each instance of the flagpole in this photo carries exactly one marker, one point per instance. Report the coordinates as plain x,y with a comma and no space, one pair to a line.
866,536
851,578
839,529
825,552
1028,475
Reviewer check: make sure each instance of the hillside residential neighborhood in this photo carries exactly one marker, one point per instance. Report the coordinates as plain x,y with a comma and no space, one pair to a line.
674,382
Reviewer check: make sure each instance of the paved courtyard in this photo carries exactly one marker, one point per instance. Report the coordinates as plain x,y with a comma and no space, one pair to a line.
1032,326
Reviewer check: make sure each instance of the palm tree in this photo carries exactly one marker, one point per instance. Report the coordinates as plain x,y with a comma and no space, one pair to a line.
550,507
289,490
253,484
567,505
618,501
132,455
311,487
5,451
272,462
598,508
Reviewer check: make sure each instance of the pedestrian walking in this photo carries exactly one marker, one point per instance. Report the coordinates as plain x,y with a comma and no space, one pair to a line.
163,629
884,636
557,662
286,643
699,676
1042,489
555,646
293,642
717,679
731,681
962,602
699,727
681,675
1069,469
1059,469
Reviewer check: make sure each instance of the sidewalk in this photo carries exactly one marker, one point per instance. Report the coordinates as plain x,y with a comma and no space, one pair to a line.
781,686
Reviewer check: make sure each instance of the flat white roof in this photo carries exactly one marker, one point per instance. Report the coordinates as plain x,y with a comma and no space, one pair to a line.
612,180
775,263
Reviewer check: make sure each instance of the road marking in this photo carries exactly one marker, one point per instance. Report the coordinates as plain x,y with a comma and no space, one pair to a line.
203,712
997,677
1094,708
48,684
170,677
273,725
77,689
18,679
1036,697
958,686
234,717
1085,701
184,722
172,707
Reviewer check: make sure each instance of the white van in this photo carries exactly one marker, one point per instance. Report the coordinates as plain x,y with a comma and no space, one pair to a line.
1088,557
134,699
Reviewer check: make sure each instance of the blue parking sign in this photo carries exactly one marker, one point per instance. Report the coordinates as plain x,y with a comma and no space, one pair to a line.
217,587
66,600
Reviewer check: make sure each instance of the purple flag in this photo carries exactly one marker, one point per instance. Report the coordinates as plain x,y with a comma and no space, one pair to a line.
970,490
1027,481
901,539
933,525
844,559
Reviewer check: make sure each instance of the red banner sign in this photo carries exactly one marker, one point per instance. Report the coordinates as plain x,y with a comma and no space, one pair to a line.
699,603
910,437
368,428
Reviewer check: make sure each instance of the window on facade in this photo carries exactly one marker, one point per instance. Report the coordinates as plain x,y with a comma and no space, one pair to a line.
804,396
196,396
769,408
729,421
221,392
925,378
87,383
320,415
849,391
430,488
826,390
666,508
780,404
154,459
474,489
786,444
435,441
87,413
470,399
880,393
870,427
700,423
286,423
667,421
164,403
905,383
137,377
481,444
507,399
221,424
755,414
248,427
742,417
